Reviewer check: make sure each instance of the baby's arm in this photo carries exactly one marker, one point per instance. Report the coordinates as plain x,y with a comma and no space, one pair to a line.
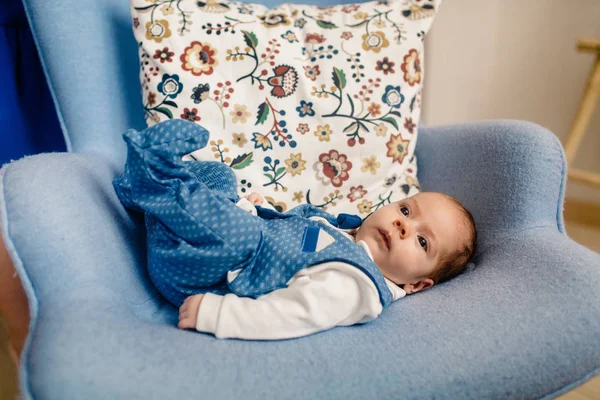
323,299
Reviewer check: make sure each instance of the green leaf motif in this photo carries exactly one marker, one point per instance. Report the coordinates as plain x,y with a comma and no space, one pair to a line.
269,176
242,161
326,24
250,39
165,111
339,78
263,112
390,120
396,113
170,103
412,103
279,171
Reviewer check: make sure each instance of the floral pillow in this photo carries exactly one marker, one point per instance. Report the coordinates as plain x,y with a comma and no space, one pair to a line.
307,104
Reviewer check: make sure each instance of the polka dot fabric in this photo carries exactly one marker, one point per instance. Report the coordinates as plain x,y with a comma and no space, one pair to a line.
196,233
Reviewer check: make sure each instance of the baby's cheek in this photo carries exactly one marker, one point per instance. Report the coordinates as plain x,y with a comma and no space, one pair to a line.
408,262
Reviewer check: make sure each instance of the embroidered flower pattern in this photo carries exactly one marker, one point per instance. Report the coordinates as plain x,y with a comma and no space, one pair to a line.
333,168
170,85
298,197
323,132
312,72
158,30
364,207
374,41
397,148
190,115
305,108
239,114
199,58
273,20
303,128
385,65
164,55
356,192
410,125
370,164
283,81
295,164
239,139
412,67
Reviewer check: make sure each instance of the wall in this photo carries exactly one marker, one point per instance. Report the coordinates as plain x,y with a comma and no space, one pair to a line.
514,59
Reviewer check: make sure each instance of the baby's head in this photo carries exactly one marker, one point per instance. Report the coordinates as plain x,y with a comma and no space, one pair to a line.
417,242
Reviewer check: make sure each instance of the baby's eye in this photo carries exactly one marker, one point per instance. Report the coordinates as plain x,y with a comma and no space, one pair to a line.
404,210
423,242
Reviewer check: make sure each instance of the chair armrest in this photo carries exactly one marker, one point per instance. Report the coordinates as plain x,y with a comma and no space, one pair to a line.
510,174
60,217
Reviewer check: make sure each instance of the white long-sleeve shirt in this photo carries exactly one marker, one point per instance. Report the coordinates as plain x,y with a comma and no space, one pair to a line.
317,298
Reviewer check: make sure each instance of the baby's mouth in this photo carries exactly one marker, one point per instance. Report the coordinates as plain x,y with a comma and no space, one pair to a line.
386,238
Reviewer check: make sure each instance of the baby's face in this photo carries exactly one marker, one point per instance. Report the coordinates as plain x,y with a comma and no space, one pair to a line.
408,238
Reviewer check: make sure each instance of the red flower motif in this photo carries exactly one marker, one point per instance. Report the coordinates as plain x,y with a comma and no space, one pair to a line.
151,98
346,35
412,67
333,168
356,192
410,125
385,65
164,55
199,58
190,115
284,82
312,72
314,38
397,148
303,128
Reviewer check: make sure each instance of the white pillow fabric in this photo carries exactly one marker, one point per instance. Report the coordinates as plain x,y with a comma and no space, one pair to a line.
307,104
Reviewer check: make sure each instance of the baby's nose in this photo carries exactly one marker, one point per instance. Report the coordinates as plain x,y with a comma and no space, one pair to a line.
403,227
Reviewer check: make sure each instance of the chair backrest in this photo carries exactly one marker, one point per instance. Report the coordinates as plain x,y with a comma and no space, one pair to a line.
91,61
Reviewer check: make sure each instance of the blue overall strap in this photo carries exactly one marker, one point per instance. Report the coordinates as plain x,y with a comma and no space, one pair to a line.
343,221
348,221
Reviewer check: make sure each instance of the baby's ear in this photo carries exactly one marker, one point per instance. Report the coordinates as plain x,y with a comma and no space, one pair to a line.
418,286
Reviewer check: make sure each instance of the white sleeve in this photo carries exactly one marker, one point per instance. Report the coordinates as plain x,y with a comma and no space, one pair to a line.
245,205
313,302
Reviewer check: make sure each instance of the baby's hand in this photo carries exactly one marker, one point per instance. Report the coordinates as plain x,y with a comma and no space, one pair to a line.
188,312
255,198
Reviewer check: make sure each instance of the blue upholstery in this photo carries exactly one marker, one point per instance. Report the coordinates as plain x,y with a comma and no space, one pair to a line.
524,323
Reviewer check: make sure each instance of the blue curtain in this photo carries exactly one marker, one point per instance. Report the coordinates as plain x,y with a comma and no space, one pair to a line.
28,121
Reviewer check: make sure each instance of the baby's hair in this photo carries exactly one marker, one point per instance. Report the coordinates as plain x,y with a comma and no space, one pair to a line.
455,263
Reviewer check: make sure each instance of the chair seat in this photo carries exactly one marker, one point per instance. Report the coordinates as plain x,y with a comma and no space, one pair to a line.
515,326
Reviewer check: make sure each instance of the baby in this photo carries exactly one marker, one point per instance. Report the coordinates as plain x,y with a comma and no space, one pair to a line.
237,268
417,242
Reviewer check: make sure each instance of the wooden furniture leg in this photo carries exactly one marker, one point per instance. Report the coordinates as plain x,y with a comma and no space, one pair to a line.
586,108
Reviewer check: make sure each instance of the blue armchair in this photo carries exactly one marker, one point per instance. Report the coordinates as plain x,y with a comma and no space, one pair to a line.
525,323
